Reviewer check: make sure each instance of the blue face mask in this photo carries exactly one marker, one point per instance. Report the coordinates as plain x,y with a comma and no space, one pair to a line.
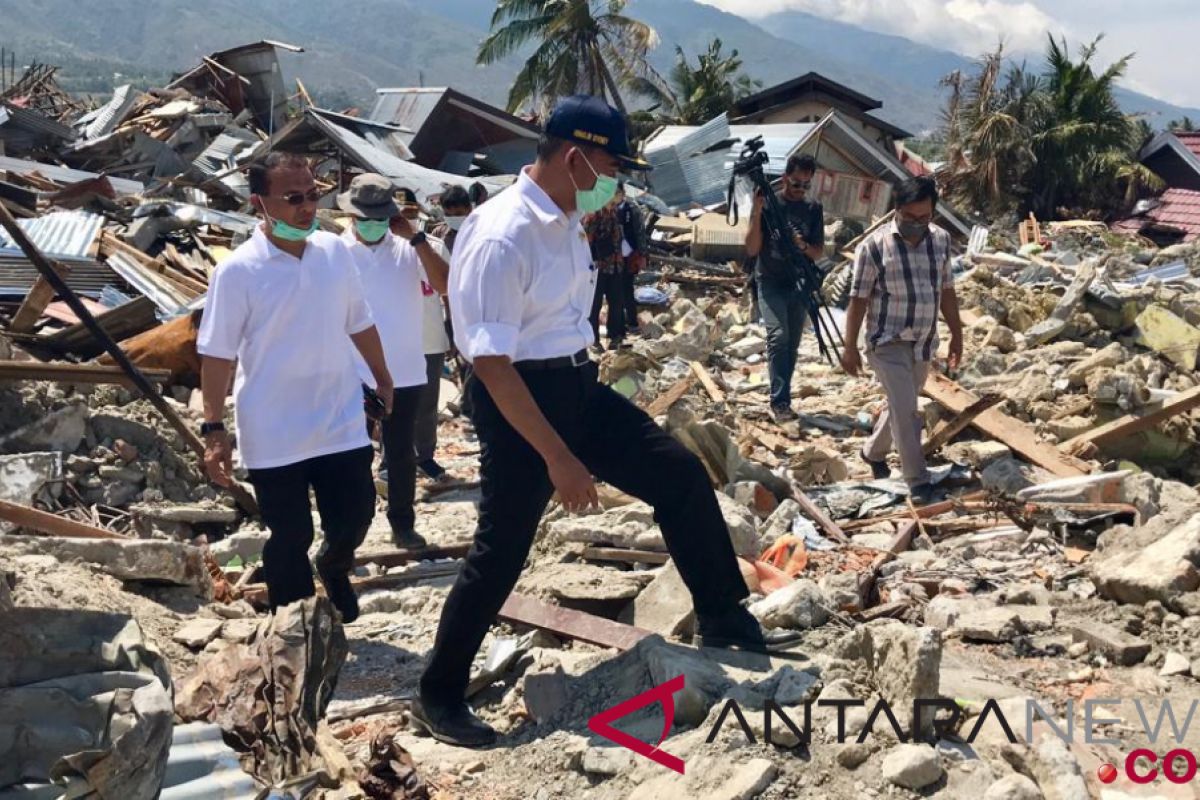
589,201
371,230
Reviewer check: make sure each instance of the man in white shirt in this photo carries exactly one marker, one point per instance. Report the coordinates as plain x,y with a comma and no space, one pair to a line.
520,294
285,307
392,268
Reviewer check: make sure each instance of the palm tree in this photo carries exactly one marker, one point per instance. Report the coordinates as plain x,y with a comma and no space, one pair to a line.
1185,125
583,46
694,95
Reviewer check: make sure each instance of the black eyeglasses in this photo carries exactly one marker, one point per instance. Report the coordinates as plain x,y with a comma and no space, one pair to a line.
298,198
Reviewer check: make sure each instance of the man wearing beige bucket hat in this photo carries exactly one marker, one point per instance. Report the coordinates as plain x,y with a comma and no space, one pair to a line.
391,268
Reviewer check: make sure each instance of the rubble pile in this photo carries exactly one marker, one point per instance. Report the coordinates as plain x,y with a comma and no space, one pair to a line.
1060,563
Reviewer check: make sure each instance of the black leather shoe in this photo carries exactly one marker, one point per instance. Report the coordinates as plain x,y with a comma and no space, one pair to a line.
342,595
922,494
739,630
880,470
408,540
454,724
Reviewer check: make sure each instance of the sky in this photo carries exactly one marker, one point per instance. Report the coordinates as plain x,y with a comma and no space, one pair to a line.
1162,33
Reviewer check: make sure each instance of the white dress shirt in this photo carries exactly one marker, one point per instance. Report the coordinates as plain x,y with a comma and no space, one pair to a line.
521,278
433,333
287,321
391,275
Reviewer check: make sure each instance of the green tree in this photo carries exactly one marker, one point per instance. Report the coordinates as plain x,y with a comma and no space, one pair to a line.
1027,142
1185,125
582,46
694,95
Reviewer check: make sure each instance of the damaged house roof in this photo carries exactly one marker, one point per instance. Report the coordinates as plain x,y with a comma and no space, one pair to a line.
1175,157
761,106
1173,216
455,132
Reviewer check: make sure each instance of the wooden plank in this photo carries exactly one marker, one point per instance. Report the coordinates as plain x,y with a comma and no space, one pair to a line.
707,381
1130,424
40,295
44,522
624,556
1021,438
520,609
948,430
814,512
74,373
662,404
398,558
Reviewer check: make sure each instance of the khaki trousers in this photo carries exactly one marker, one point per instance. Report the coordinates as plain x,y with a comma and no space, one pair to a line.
902,376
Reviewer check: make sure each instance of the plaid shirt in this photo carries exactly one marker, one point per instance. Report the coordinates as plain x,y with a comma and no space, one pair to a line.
904,286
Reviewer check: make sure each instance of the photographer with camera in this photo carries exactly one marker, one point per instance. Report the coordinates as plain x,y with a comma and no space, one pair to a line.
780,296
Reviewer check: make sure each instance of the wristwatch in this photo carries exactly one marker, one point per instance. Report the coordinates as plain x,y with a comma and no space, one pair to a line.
211,427
419,238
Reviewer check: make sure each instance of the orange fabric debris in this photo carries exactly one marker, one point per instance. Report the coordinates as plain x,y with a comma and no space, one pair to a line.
787,554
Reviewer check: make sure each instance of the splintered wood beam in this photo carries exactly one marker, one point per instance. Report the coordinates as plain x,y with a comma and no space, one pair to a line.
951,428
814,512
662,404
1020,438
74,373
40,295
524,610
44,522
707,381
1130,424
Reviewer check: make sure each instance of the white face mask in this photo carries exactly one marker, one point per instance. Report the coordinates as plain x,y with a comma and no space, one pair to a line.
454,223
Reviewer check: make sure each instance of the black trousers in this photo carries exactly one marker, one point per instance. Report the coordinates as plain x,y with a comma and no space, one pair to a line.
425,436
631,305
609,287
345,495
399,434
619,444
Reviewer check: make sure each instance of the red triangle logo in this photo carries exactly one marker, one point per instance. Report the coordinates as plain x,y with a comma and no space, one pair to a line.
663,693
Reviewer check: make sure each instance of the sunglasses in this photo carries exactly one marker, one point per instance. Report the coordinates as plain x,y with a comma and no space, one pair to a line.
299,198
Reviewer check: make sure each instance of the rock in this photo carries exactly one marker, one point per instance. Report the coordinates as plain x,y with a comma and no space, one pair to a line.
903,662
545,693
1057,771
24,478
1002,338
749,346
198,632
944,611
238,630
1013,787
1116,645
800,605
1010,476
607,762
1111,356
665,606
1078,650
704,682
796,687
853,755
1153,495
912,766
583,583
1004,623
1153,562
246,544
629,526
60,431
1027,594
747,782
150,561
742,529
780,521
841,590
1175,664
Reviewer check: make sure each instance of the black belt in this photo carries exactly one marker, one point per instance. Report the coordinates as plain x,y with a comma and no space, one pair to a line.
562,362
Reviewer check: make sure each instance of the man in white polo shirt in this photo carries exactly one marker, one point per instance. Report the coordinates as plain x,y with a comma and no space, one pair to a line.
521,293
392,268
286,308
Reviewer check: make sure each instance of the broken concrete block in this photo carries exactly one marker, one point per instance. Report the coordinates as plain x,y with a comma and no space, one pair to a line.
198,632
1170,336
665,606
149,561
1175,664
912,766
1143,564
800,606
841,590
629,526
747,782
1057,770
28,477
853,755
796,687
1008,475
247,545
1004,623
191,513
1002,338
1013,787
607,762
978,455
585,583
545,693
705,682
1109,357
1116,645
749,346
903,662
944,611
742,529
60,430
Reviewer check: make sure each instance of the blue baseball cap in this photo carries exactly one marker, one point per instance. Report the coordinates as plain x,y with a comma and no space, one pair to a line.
589,120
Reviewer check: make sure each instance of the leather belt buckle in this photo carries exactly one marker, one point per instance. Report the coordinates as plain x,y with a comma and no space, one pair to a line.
580,358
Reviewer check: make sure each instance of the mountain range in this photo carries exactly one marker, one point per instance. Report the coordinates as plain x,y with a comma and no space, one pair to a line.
351,48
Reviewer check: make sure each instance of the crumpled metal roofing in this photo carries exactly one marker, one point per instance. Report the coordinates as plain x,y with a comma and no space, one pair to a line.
88,278
221,155
62,235
104,119
202,767
66,175
34,121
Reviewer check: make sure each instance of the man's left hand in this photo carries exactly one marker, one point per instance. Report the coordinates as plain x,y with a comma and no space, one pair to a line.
956,350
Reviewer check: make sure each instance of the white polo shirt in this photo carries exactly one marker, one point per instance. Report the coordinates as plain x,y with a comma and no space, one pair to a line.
433,333
288,323
521,278
391,276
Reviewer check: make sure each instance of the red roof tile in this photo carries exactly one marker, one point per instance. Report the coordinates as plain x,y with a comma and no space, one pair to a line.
1190,140
1180,208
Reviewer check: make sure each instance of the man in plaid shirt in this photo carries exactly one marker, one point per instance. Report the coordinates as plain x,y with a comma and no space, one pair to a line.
901,278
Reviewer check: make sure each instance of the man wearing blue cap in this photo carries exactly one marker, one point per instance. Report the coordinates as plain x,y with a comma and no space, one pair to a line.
521,289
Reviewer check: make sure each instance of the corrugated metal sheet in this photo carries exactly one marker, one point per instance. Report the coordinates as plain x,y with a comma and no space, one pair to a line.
88,278
63,235
408,108
33,121
104,119
202,767
65,175
197,215
169,302
221,154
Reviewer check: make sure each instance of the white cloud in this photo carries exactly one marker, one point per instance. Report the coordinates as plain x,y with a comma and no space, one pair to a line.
965,26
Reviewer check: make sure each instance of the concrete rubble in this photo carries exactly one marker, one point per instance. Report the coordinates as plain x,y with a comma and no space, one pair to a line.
1061,561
